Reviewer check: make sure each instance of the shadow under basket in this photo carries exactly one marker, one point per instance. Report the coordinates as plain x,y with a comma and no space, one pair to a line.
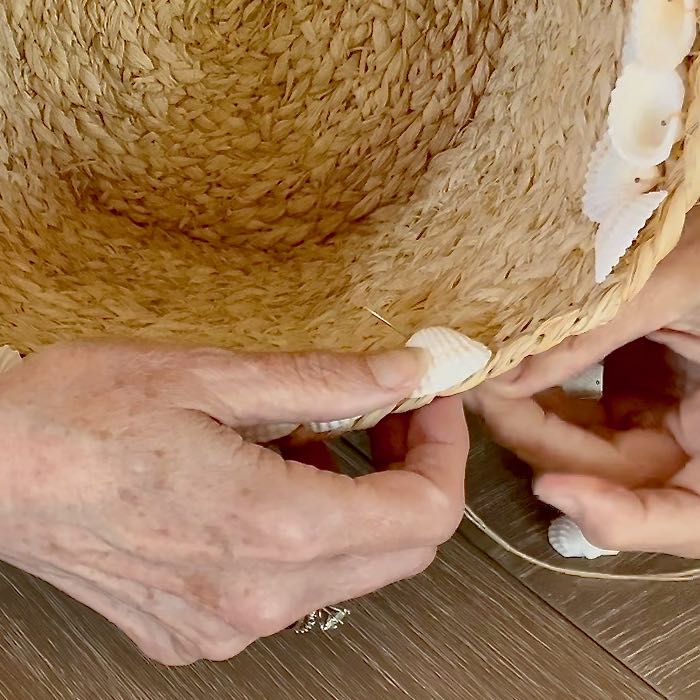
264,176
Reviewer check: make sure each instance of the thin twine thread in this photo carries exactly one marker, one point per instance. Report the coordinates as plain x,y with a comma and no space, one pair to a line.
386,322
671,576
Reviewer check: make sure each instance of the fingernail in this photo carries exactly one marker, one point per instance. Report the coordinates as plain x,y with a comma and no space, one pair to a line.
565,502
398,369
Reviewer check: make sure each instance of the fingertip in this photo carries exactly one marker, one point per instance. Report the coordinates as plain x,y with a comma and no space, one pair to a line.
399,370
601,509
559,364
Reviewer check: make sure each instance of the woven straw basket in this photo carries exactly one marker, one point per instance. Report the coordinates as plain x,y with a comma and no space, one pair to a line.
258,174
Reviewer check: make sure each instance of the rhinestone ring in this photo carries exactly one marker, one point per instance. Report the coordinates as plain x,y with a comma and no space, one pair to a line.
325,619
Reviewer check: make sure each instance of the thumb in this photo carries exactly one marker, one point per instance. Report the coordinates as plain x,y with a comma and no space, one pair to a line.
252,389
611,517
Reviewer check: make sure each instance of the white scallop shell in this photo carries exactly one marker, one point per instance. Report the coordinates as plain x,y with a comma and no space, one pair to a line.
620,229
9,358
266,433
645,114
628,46
612,181
334,426
453,359
662,32
566,539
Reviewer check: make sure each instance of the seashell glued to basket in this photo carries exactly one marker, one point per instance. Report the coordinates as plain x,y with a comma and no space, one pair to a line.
662,32
334,426
646,114
9,358
453,358
621,228
566,539
275,176
613,182
263,434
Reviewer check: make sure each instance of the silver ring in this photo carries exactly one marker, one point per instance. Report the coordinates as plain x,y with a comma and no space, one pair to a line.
587,385
325,619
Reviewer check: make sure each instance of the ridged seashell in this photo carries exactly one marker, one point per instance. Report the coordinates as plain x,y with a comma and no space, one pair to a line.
612,181
628,47
453,358
645,114
620,229
566,539
261,434
334,426
9,358
662,32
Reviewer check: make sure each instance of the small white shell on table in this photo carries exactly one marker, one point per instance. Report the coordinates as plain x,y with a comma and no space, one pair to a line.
612,181
566,539
262,434
645,118
662,32
620,229
453,359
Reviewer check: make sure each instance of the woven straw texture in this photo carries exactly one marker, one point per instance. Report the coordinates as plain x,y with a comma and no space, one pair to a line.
253,174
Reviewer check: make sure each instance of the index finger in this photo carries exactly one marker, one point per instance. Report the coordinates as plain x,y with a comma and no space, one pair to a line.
540,436
644,520
671,293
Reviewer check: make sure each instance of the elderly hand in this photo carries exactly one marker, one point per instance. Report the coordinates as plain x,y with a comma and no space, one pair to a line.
627,468
126,485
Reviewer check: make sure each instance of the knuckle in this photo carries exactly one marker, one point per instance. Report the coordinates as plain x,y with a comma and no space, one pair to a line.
320,368
420,561
263,615
223,650
290,539
448,513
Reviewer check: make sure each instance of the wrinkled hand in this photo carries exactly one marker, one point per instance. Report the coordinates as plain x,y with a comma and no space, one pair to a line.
627,468
125,484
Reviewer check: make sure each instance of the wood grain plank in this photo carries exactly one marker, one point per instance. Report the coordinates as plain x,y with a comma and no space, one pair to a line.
653,628
465,630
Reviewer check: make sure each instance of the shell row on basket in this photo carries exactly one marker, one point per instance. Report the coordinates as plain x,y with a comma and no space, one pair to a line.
645,120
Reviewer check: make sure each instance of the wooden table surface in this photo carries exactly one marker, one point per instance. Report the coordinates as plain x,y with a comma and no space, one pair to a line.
478,625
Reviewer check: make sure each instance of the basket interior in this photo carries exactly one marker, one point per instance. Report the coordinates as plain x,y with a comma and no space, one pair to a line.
259,174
